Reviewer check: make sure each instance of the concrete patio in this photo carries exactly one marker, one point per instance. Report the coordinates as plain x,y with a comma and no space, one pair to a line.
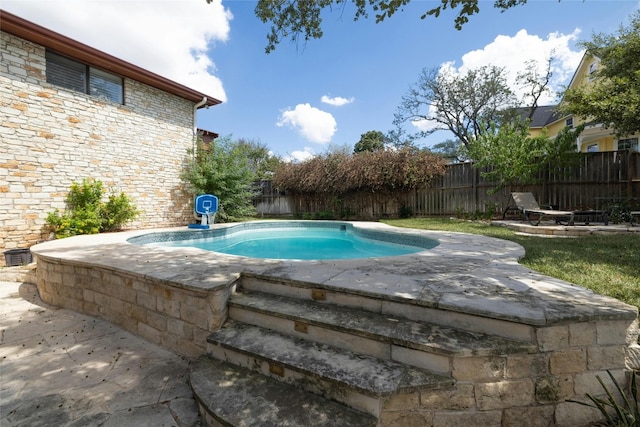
62,368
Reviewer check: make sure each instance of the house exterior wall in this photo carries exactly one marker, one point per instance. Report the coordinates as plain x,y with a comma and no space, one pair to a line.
603,138
555,127
51,137
535,132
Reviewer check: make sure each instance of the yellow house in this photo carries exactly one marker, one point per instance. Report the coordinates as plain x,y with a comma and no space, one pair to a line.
594,137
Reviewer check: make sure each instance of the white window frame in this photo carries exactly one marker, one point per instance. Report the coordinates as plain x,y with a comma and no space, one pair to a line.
569,122
593,67
628,144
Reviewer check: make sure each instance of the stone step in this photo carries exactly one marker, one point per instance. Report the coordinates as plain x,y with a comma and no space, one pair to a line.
419,344
233,396
359,381
389,305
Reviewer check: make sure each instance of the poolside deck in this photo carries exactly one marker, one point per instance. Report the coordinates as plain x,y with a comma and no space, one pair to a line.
457,275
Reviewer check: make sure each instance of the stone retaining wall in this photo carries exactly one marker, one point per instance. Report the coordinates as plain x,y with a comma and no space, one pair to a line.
510,391
527,389
52,137
176,318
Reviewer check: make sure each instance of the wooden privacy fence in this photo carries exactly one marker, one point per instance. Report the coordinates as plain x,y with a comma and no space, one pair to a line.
463,190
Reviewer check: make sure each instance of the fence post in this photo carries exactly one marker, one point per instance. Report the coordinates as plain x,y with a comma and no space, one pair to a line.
630,173
474,186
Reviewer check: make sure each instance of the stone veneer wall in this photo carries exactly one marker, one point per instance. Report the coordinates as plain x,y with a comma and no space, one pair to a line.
51,137
528,389
177,318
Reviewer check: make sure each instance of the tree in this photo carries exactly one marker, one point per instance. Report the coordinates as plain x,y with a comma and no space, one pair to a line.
450,150
399,138
260,159
534,84
463,104
614,97
225,170
508,152
374,140
513,158
293,19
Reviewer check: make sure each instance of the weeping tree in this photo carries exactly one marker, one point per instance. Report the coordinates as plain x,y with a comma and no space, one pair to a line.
382,171
380,174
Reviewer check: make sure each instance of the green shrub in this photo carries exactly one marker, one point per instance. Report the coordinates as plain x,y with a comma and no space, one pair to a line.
85,195
405,211
117,211
326,214
86,212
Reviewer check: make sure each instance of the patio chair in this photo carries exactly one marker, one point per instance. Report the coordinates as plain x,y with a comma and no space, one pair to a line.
532,212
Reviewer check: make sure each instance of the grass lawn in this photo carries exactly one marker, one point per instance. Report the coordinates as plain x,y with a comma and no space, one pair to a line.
607,264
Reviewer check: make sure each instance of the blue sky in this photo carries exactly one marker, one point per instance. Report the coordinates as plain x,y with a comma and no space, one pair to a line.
307,98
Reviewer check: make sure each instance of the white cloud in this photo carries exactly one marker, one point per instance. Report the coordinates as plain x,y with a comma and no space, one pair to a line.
426,125
169,38
300,155
313,124
513,53
337,101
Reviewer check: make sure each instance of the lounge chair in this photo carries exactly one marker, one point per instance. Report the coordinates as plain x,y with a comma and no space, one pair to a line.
532,212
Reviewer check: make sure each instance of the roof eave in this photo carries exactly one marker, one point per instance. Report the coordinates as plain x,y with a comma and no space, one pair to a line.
81,52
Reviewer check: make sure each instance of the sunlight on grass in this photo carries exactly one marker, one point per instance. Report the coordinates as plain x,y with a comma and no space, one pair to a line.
606,264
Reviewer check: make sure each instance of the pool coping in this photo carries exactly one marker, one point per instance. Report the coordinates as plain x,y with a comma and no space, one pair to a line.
465,273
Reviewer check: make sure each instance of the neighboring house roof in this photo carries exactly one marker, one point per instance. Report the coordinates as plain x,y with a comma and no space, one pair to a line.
207,135
72,48
543,115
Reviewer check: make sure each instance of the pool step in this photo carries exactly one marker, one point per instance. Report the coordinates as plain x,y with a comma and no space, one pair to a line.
419,344
354,350
388,305
230,395
356,380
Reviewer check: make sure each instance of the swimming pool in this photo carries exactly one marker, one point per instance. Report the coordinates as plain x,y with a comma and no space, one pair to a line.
295,240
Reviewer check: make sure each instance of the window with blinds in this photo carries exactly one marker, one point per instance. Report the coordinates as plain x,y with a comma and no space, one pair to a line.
74,75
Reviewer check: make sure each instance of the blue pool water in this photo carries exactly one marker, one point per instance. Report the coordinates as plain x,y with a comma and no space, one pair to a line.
299,243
